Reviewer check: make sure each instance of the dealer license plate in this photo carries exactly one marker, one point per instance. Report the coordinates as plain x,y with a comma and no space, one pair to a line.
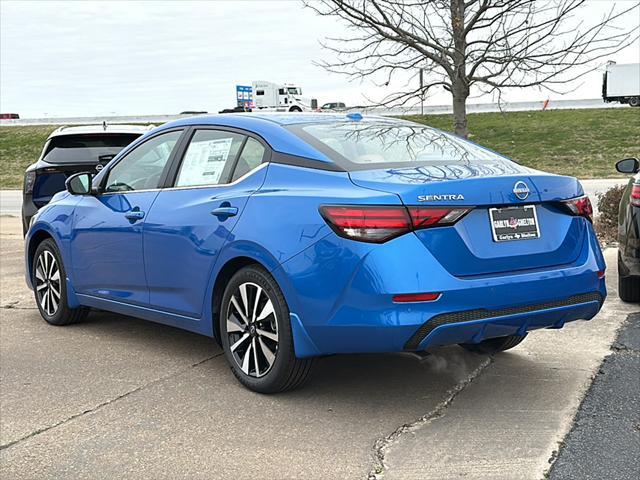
514,223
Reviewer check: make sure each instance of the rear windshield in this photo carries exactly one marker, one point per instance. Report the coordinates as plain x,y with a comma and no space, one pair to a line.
368,145
89,148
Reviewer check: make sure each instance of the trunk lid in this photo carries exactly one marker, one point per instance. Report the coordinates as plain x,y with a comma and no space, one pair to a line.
468,248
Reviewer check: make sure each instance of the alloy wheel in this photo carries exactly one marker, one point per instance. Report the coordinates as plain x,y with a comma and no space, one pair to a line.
48,288
252,329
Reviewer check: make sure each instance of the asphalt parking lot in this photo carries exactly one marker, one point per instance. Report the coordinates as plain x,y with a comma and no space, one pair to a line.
116,397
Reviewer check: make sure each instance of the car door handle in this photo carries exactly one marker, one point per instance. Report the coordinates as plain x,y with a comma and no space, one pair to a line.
134,215
223,212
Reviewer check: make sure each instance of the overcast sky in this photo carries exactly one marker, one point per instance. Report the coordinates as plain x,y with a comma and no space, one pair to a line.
134,58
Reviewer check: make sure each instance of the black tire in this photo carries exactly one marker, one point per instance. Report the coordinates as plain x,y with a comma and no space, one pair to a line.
494,345
54,309
268,342
628,285
295,109
634,101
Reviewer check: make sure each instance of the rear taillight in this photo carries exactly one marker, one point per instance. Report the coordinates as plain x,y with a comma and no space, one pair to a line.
430,217
367,224
29,180
580,206
635,195
378,224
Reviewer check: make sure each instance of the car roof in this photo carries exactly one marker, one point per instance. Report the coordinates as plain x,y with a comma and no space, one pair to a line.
270,126
97,129
278,118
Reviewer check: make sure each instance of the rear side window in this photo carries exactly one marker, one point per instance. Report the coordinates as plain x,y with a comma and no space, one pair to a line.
251,156
209,158
368,145
86,148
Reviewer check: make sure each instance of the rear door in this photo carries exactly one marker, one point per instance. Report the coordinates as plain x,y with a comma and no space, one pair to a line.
106,250
192,219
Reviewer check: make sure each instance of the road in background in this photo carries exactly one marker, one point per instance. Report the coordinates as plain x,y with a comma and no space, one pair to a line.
413,110
11,200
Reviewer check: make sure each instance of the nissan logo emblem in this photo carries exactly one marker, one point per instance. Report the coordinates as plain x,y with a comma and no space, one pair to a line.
521,190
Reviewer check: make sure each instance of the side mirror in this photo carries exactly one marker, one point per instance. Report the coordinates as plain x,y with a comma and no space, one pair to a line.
628,165
79,184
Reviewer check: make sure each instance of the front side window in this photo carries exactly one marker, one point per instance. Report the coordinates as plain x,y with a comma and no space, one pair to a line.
142,168
209,158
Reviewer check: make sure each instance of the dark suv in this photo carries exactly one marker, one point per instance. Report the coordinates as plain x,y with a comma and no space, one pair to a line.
629,233
70,150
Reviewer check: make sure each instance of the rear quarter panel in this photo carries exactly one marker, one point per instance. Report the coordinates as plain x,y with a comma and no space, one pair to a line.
282,219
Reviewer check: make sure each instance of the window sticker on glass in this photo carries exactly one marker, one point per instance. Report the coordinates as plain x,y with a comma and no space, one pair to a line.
205,159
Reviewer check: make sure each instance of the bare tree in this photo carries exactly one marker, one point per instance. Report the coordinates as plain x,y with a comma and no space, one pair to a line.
488,45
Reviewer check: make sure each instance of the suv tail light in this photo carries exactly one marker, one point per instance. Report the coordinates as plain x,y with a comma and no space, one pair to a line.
29,180
635,195
377,224
580,206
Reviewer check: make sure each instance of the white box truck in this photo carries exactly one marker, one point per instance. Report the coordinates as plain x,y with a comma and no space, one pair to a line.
281,98
621,83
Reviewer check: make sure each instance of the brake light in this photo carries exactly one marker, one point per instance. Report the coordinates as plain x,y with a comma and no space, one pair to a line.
29,181
367,223
580,206
635,195
377,224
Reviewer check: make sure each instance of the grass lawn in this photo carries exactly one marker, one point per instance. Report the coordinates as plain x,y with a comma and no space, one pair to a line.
582,143
20,147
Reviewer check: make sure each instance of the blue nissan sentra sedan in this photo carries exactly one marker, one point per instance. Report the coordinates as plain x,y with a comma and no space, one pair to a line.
292,236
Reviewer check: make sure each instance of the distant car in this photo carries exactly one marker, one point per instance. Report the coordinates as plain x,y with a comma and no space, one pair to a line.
333,107
235,110
70,150
9,116
290,236
629,233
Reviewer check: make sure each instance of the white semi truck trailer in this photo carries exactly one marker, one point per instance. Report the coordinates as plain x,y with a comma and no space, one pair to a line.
281,97
621,83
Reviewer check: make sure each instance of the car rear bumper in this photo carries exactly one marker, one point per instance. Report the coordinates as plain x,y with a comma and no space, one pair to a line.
344,298
477,325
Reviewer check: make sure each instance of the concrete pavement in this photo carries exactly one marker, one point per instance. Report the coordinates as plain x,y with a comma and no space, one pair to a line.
116,397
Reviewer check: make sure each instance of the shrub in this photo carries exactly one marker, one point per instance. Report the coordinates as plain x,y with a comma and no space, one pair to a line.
606,223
